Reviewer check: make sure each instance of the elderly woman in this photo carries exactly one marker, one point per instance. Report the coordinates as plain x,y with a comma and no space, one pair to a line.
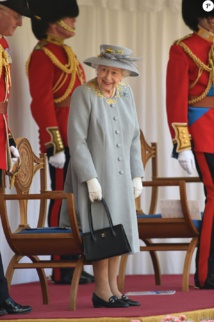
104,144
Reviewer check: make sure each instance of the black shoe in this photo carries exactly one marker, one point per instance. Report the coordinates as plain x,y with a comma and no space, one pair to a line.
125,299
85,278
12,307
2,312
82,280
68,278
113,302
208,284
196,281
88,276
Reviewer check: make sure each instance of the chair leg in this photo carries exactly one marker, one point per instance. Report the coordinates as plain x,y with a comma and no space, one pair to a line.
42,280
122,273
75,283
155,261
14,263
156,267
187,263
10,269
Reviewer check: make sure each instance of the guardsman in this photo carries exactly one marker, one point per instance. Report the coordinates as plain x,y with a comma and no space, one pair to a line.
54,72
190,111
11,12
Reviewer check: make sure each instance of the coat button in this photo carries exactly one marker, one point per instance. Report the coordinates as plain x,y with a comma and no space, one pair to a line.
115,118
121,172
119,158
118,145
117,132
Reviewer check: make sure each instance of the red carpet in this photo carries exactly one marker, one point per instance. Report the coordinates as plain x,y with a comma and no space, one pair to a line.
151,305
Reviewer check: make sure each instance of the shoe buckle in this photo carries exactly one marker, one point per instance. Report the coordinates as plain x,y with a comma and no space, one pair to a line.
113,299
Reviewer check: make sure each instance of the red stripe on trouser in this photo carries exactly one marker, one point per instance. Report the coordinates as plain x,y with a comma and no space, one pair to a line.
53,217
58,183
207,224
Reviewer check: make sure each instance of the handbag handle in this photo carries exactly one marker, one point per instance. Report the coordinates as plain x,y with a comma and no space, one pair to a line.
108,216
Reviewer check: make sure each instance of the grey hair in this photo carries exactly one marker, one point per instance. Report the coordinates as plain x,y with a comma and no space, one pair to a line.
125,72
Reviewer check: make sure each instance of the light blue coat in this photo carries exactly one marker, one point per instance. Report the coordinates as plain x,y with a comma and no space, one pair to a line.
104,143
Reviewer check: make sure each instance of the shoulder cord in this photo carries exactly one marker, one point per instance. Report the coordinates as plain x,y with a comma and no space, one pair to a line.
202,67
4,62
70,68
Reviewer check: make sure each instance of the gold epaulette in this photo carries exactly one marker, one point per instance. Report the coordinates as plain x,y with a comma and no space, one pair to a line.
182,137
40,45
178,41
56,140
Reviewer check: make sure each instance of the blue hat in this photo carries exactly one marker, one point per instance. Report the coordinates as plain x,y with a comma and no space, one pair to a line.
114,56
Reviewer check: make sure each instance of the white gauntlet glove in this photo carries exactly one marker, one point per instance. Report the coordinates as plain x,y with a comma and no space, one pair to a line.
15,155
94,189
187,161
137,186
57,160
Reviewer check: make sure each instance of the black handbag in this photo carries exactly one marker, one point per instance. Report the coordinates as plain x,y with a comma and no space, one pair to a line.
104,243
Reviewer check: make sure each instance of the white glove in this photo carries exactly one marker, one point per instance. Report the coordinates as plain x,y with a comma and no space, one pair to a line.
137,186
57,160
94,189
15,155
187,161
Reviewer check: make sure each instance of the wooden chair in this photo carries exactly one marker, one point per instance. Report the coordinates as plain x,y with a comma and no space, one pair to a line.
34,242
153,226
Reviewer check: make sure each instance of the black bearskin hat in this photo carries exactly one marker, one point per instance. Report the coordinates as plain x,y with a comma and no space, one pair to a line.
19,6
46,11
192,10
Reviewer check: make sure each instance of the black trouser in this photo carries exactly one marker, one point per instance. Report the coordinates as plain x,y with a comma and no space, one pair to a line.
204,276
4,293
57,177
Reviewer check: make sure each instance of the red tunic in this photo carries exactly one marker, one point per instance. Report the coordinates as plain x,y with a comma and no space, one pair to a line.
48,82
182,72
5,84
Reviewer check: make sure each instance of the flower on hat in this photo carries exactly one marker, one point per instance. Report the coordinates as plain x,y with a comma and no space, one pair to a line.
117,54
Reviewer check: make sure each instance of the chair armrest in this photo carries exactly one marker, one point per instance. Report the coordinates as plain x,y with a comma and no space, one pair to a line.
37,196
181,183
186,179
44,196
170,181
